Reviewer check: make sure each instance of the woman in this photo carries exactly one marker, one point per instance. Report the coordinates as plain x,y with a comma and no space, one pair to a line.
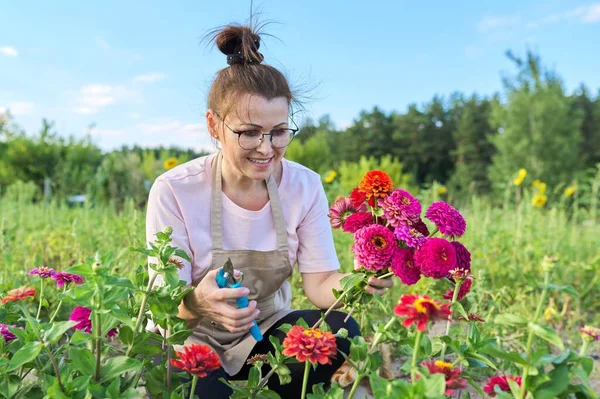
265,213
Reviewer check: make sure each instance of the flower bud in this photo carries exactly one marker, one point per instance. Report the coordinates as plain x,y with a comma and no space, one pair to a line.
549,262
342,333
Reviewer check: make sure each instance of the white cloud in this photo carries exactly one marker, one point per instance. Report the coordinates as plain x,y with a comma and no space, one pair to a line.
18,108
93,98
149,77
587,14
9,51
491,24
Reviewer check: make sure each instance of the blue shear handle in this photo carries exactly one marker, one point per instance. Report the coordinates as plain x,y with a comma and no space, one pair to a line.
243,303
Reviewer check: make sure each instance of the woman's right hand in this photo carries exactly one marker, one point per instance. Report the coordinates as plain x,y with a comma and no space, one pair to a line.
208,300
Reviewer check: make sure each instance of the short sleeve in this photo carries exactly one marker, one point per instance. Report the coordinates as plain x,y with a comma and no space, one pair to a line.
163,211
316,250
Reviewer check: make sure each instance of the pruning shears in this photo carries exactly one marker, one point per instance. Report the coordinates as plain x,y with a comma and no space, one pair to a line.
225,279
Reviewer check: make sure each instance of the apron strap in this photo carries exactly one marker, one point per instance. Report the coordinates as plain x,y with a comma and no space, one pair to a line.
216,219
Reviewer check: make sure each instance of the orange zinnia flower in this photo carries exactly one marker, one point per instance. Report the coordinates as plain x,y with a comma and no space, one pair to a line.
18,294
313,345
197,359
421,309
375,184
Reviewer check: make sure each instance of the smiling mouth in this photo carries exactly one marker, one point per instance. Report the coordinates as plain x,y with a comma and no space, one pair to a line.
260,161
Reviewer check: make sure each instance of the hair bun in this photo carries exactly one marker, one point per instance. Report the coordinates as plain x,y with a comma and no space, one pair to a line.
240,44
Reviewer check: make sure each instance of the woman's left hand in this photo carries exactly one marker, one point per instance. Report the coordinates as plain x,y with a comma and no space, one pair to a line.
376,285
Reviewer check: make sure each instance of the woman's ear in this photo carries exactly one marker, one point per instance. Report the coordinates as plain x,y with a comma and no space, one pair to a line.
211,124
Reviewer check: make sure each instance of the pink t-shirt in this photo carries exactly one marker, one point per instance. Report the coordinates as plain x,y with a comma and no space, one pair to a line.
181,198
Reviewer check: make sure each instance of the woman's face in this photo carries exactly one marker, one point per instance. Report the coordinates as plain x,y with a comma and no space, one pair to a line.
253,113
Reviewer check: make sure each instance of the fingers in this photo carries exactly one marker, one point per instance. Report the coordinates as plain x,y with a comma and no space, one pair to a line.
356,265
381,282
234,319
372,290
231,293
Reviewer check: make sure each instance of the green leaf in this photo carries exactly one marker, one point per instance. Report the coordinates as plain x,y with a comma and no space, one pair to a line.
114,389
547,334
179,337
352,280
565,288
182,254
116,366
500,353
587,365
457,307
285,328
147,252
559,381
303,323
80,337
511,319
82,360
27,353
57,330
253,377
435,385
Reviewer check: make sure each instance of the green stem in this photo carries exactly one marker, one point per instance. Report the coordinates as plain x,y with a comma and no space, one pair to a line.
584,348
305,380
97,329
434,232
138,322
58,306
454,298
386,275
337,301
263,382
39,311
376,340
194,381
33,324
529,344
413,363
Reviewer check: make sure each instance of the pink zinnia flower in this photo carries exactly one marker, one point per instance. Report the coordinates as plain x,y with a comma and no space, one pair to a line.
374,246
421,227
420,310
63,278
42,271
6,334
411,236
463,256
341,208
435,258
400,208
464,289
81,315
357,221
448,220
404,267
502,383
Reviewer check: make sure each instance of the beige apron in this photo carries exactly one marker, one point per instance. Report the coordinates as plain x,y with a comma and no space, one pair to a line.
265,275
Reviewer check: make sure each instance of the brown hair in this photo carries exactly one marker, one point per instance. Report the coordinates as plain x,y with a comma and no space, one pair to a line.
246,73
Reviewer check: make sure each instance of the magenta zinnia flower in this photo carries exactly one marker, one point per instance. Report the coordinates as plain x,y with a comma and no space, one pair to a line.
374,246
435,258
6,334
404,267
400,208
357,221
411,236
63,278
42,271
81,315
341,208
448,220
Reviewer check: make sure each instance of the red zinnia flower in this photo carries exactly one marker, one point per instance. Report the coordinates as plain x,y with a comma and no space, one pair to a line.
421,227
313,345
420,310
464,289
357,221
197,359
375,184
436,257
18,294
452,375
358,198
502,382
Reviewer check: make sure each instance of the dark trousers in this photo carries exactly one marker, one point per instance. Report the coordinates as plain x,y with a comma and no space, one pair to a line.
211,388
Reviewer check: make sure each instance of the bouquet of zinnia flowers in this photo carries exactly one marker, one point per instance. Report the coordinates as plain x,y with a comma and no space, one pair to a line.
389,233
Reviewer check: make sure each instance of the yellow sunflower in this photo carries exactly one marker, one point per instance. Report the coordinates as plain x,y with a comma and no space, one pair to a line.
170,163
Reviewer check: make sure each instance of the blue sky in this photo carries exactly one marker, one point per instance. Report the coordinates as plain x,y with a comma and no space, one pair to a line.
137,71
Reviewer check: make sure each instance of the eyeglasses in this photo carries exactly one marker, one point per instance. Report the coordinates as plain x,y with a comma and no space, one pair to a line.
251,139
